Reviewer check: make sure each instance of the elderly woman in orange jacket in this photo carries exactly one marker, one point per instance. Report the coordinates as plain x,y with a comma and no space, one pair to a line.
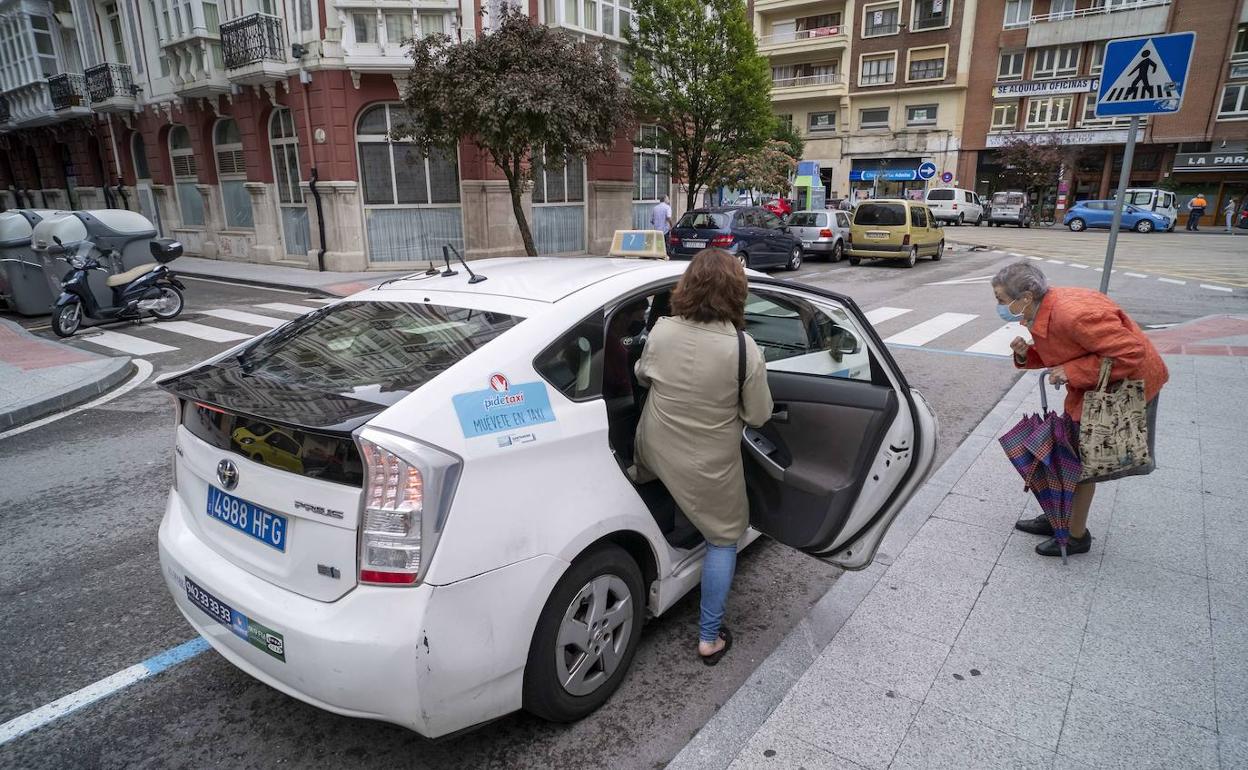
1072,330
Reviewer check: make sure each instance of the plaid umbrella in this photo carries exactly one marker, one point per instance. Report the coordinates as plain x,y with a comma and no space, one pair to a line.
1044,450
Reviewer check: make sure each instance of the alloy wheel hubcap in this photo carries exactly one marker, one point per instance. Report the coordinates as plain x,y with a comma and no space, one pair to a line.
594,635
166,303
69,316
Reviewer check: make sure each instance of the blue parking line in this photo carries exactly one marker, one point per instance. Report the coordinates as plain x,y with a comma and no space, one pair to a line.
172,657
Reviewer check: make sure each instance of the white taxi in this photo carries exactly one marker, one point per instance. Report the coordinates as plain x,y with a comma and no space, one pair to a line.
450,534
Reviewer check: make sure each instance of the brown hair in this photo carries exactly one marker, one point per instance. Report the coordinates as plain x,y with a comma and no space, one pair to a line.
712,289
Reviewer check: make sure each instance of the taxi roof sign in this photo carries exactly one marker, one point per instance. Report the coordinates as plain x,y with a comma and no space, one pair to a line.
639,244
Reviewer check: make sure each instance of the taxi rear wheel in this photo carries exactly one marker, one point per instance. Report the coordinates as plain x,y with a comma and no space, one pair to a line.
940,252
913,258
586,637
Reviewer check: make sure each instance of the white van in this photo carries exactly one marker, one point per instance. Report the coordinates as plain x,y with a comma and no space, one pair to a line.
951,204
1154,199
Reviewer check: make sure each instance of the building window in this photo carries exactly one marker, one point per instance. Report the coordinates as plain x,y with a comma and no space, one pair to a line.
930,14
821,122
876,117
365,26
1241,43
789,75
1017,13
879,20
826,21
652,174
878,70
1050,112
285,146
398,28
921,115
786,120
44,49
185,177
433,24
1098,58
115,39
558,180
396,173
1005,116
1010,65
227,145
1089,114
608,17
1234,101
1056,61
928,64
1061,9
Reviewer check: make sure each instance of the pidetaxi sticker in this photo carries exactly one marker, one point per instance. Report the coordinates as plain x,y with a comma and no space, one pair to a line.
503,406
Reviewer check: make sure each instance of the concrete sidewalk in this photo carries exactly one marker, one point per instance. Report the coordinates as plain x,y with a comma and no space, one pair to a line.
282,276
962,648
39,377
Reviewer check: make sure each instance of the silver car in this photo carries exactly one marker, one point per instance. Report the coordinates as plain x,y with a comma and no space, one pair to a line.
823,233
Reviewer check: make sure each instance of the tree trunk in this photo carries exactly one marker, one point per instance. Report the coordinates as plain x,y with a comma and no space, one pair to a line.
514,183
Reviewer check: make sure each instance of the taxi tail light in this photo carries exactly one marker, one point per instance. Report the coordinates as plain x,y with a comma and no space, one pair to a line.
673,239
721,241
825,233
955,207
905,241
407,491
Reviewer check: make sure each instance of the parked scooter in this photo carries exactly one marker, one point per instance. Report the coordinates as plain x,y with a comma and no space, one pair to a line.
149,288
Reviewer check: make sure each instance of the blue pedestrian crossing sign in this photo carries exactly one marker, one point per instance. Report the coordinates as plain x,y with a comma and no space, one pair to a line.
1145,75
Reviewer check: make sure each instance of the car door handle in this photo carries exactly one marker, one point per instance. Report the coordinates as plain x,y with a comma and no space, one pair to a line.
780,414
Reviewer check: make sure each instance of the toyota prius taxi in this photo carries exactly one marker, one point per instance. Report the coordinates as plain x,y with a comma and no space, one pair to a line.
449,532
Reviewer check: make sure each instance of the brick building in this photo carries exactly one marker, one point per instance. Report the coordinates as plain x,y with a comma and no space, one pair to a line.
1039,65
242,127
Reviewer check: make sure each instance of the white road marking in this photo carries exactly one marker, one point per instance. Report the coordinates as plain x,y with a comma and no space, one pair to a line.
1174,281
958,281
285,307
1034,259
882,314
1136,275
1055,261
998,343
322,300
202,331
144,370
255,319
1016,254
1078,266
1216,288
925,332
135,346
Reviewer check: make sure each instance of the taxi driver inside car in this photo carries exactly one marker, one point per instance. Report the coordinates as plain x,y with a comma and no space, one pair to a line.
375,575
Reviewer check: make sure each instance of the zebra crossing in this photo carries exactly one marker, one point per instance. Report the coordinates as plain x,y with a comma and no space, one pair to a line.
153,339
899,326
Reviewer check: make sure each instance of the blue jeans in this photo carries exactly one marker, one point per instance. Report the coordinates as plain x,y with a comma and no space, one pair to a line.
717,569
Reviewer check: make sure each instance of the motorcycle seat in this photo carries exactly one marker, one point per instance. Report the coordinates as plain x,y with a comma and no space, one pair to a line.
120,279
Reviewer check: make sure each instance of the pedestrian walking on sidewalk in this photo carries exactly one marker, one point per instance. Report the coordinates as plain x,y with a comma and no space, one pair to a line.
661,215
1195,210
706,378
1229,211
1072,329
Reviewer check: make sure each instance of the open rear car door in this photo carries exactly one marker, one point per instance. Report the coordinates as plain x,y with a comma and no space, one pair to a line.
849,441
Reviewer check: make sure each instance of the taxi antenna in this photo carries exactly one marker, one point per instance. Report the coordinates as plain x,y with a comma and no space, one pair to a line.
432,270
475,278
446,257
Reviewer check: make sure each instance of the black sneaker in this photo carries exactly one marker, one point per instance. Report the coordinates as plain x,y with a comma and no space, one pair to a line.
1037,526
1076,545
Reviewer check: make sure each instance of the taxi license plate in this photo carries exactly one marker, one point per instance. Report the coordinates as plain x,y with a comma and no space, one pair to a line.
806,243
254,633
695,244
878,234
252,520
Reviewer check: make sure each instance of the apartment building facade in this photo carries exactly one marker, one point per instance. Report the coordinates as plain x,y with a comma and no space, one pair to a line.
875,87
1040,68
259,130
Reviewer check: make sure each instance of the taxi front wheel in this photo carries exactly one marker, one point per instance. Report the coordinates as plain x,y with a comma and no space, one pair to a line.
586,636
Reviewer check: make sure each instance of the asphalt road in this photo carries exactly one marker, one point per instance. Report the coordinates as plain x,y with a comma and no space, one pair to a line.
82,599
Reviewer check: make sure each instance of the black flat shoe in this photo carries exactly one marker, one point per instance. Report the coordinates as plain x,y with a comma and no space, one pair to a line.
714,657
1076,545
1037,526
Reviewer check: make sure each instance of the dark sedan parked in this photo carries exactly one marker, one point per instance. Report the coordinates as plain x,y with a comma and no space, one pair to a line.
755,235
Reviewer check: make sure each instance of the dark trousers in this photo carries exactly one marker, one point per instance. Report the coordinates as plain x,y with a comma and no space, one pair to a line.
1193,218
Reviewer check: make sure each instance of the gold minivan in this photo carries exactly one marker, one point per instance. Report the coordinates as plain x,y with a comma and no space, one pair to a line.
892,228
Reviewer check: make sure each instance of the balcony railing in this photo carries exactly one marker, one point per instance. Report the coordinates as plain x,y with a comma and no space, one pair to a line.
252,39
1099,9
832,78
67,90
801,34
109,81
5,114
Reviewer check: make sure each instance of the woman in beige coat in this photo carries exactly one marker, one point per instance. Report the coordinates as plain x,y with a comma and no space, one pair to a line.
690,430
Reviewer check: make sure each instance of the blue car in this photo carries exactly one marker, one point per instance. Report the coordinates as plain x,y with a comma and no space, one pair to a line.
1087,214
756,236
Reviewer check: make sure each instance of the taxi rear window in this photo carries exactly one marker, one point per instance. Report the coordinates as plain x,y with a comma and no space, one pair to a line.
366,350
880,214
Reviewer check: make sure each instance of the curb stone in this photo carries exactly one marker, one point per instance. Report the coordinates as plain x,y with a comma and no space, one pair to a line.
717,744
117,371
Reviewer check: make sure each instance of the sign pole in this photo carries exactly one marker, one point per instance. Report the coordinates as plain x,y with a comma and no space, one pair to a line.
1124,179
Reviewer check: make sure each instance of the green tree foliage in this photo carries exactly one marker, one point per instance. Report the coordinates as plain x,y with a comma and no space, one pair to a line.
696,73
1030,164
768,170
519,89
